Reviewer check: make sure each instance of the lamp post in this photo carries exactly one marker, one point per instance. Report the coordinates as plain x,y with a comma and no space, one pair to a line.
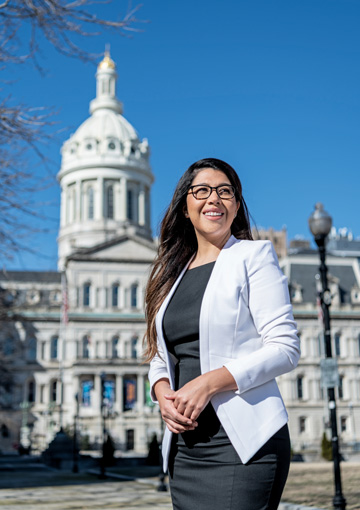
320,223
103,416
75,467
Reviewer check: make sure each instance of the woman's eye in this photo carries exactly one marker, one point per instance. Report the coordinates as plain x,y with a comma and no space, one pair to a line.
225,191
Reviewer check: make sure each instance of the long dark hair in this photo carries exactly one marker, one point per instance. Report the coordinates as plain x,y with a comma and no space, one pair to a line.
178,242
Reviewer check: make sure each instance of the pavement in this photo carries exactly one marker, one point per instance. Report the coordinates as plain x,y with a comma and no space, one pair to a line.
34,486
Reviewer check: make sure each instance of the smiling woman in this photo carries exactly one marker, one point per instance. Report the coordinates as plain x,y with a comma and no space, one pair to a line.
219,331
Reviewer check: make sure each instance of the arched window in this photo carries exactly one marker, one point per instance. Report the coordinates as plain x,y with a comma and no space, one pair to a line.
85,347
86,293
31,391
54,347
115,295
90,194
110,202
133,295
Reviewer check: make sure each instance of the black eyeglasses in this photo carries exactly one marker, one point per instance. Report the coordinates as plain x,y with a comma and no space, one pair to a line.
203,191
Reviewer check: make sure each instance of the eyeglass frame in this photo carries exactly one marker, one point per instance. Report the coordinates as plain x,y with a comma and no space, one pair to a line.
190,190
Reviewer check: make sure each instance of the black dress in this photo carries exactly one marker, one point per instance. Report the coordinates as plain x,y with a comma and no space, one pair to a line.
205,471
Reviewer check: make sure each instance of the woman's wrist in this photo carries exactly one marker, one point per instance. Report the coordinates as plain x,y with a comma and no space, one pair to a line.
219,380
161,387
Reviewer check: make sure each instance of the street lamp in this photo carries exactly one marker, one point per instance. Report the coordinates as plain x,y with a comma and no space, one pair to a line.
320,223
104,434
75,467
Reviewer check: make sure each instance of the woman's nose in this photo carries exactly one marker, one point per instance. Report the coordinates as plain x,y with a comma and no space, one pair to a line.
213,197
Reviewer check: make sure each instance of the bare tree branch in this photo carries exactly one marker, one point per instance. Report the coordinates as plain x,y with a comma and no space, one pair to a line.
26,129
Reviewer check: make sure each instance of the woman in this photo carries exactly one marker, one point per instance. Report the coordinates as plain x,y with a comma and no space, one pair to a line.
219,330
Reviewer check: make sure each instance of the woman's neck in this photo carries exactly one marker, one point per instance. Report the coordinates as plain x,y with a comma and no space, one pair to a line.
207,251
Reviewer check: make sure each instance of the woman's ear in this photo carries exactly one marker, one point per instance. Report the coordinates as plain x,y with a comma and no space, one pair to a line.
186,214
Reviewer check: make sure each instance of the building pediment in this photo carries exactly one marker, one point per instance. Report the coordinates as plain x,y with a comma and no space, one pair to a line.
121,249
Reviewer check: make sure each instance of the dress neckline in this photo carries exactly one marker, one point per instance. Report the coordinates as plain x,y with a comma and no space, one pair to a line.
202,265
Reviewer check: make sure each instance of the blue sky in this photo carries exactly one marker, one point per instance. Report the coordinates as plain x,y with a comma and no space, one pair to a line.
270,86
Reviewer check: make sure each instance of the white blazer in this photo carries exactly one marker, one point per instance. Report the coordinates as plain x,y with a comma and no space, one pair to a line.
246,324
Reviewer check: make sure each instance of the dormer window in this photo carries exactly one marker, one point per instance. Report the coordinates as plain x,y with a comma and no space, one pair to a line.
111,146
89,146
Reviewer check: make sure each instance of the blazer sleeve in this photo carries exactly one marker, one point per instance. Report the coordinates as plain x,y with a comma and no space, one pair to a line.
271,312
158,370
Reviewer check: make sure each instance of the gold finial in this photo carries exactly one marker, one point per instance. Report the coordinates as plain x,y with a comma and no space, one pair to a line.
107,62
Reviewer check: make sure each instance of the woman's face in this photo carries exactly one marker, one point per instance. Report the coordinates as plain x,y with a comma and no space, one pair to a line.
211,217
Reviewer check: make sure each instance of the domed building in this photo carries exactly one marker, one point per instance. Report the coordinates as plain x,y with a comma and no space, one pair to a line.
81,345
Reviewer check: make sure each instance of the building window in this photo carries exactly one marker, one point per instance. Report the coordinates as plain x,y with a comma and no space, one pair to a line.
299,387
337,345
43,350
90,196
108,393
114,347
115,295
134,347
130,439
302,424
133,295
31,351
54,347
9,346
31,391
85,347
86,391
129,392
341,387
343,423
110,202
53,391
86,293
130,204
4,431
359,343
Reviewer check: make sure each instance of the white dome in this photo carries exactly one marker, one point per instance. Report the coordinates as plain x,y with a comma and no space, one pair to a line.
104,125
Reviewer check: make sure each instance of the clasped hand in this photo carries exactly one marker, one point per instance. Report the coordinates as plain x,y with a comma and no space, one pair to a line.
180,409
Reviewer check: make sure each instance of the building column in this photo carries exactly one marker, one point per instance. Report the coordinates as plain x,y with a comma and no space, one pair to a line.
63,207
123,199
79,201
141,205
97,394
99,203
140,393
119,394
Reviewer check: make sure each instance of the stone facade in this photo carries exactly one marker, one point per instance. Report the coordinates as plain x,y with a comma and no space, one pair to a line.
76,343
